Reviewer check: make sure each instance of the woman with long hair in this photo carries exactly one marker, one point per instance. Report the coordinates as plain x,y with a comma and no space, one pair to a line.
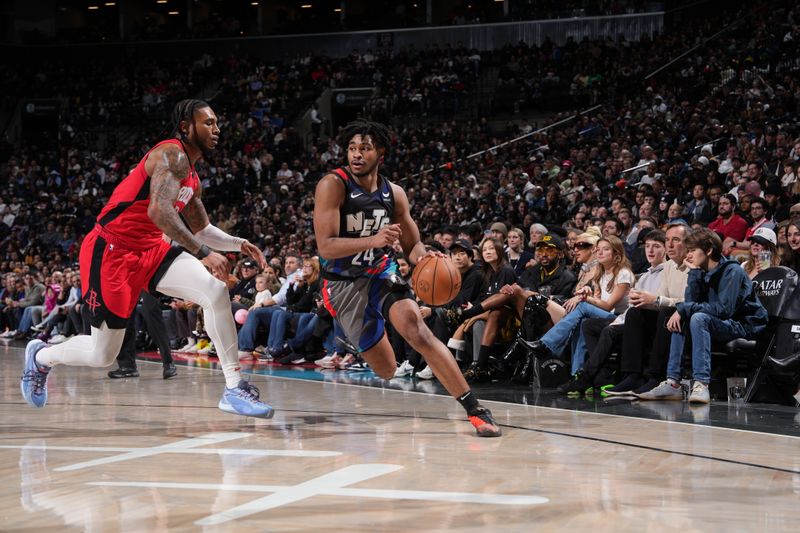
763,240
518,257
605,297
792,250
301,300
497,273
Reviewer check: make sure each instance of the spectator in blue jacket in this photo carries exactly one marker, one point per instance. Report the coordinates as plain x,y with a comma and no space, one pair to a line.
720,303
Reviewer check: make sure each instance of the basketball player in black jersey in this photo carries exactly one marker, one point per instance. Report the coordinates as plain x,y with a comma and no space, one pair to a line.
358,215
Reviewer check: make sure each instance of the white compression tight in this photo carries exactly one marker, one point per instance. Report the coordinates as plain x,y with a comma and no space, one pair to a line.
186,279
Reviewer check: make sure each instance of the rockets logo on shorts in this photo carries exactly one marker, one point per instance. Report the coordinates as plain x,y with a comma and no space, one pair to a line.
91,301
184,195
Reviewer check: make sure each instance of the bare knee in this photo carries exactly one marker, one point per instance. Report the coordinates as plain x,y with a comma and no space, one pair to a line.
419,336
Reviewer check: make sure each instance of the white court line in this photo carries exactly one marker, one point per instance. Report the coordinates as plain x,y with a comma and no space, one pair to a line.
332,484
201,451
203,440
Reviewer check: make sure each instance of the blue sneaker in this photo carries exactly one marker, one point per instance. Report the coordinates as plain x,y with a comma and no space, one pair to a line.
34,381
243,400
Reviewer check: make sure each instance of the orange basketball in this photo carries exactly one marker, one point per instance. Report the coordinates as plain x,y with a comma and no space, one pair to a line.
436,280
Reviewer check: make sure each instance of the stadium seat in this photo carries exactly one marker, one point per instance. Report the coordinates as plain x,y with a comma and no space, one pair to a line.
776,288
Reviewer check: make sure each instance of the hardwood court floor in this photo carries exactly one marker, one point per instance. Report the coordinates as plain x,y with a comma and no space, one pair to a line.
148,455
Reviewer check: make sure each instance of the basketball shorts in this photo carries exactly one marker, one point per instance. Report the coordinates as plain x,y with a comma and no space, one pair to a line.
112,277
360,305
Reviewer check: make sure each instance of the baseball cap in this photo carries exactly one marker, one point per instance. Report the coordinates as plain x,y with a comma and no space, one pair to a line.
499,226
249,263
461,244
763,236
551,241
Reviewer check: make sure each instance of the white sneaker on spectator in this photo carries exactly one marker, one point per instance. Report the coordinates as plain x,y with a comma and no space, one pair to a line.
38,327
665,391
190,342
325,361
244,354
425,373
333,362
202,343
699,393
405,369
9,333
57,339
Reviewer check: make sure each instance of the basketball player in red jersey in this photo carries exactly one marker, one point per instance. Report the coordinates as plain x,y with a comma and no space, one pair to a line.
358,215
126,252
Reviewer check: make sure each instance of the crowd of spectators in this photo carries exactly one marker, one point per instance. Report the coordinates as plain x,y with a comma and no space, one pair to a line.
714,143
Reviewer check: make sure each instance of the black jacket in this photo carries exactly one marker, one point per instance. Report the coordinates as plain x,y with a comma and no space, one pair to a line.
246,290
302,299
471,287
561,282
504,276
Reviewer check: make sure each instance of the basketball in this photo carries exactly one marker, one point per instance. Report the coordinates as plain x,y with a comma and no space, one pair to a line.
436,280
240,316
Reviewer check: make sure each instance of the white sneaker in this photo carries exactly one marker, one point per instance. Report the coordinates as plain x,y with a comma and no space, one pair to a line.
324,360
202,343
57,339
243,354
425,373
699,393
664,391
9,333
405,369
188,346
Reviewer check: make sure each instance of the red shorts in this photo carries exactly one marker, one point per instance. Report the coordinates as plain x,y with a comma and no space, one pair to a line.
112,277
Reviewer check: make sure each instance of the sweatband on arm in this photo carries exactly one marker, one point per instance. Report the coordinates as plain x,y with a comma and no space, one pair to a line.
219,240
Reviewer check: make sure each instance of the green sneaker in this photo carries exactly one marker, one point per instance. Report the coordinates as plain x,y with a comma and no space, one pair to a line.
604,388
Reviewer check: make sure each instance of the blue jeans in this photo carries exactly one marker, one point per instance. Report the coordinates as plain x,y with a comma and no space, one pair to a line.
305,329
568,330
280,321
260,316
702,327
26,322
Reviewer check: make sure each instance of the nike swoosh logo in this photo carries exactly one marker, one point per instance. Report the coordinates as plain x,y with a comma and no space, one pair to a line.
355,195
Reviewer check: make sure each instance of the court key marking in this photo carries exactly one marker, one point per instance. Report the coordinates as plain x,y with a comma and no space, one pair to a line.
331,484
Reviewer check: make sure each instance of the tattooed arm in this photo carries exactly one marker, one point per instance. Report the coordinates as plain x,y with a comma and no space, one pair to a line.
170,166
195,212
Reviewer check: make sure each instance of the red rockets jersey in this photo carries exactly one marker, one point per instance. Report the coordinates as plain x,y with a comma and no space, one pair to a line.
124,218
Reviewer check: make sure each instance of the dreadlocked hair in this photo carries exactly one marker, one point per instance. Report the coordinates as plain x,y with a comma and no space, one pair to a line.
381,135
184,111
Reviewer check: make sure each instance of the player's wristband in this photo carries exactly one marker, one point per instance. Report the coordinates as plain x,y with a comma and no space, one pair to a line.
203,252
